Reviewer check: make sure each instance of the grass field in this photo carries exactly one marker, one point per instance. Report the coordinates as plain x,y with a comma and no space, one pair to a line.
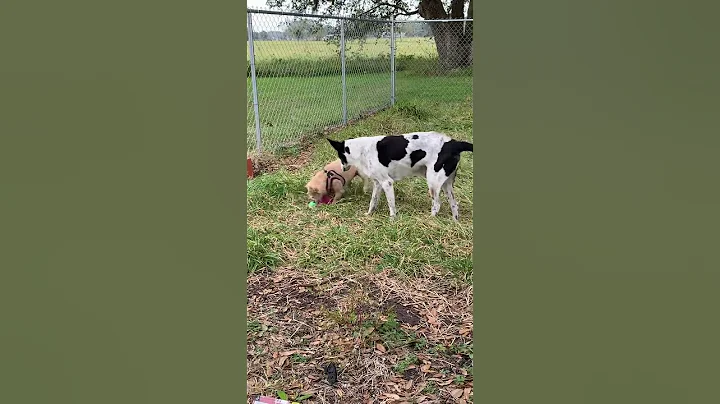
389,302
268,50
300,85
291,107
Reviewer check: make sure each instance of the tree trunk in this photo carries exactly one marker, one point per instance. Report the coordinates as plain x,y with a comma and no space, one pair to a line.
453,40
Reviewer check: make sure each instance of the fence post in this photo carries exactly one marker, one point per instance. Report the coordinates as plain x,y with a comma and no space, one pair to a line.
253,78
342,64
392,60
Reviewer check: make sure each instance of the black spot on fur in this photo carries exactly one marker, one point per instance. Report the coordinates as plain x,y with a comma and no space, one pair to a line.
449,155
416,156
339,148
392,148
347,150
416,137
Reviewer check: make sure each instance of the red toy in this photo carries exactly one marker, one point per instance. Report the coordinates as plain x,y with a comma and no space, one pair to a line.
325,200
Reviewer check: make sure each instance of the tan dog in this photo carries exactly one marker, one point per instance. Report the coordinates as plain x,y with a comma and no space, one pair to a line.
321,186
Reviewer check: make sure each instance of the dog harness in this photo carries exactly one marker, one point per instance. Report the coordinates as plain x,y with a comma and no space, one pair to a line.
332,175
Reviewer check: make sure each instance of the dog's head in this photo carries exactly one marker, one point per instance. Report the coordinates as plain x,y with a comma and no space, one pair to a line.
343,153
316,187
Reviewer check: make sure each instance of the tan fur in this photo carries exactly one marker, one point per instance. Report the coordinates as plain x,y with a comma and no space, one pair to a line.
316,187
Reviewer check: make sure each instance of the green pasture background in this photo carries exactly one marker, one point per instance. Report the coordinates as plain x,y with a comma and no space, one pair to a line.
300,83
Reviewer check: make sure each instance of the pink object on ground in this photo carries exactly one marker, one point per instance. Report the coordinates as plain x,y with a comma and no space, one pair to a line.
325,200
270,400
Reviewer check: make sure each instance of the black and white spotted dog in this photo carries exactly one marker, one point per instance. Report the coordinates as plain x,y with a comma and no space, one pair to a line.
386,159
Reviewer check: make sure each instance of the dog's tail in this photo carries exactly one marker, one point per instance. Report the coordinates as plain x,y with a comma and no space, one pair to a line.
459,146
450,155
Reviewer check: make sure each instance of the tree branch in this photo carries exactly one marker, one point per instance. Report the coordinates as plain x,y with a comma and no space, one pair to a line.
402,10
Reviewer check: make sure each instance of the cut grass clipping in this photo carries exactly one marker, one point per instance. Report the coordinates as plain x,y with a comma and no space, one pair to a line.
390,303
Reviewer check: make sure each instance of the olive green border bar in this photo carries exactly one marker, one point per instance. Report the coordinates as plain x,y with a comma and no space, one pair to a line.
596,259
121,194
243,247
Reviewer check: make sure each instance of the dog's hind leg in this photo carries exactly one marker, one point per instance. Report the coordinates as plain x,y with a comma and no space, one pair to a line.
387,186
374,198
435,194
448,188
435,181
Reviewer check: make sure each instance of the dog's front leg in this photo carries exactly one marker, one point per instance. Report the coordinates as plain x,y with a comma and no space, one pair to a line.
390,195
374,198
338,195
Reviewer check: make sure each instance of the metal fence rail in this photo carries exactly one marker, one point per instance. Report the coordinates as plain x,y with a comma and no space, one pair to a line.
307,73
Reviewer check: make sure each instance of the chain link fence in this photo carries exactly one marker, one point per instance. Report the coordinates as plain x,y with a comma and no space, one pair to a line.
309,73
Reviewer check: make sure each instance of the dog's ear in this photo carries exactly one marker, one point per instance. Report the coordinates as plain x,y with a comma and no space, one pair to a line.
339,146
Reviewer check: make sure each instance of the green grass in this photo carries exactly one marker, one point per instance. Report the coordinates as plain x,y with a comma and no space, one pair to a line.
283,230
318,58
292,108
300,85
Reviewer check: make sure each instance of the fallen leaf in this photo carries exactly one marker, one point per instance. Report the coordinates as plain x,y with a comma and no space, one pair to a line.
457,393
381,348
391,395
408,385
467,393
288,353
425,368
445,383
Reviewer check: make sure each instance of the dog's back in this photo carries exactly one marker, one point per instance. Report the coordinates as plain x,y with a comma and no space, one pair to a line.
406,155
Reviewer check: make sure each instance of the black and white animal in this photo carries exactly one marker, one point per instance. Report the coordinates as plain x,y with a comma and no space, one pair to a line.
386,159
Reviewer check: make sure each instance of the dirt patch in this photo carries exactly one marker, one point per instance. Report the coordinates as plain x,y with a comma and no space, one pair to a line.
405,314
411,374
308,300
303,321
260,287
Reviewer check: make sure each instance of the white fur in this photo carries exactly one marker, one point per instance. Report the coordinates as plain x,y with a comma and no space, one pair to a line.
364,156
